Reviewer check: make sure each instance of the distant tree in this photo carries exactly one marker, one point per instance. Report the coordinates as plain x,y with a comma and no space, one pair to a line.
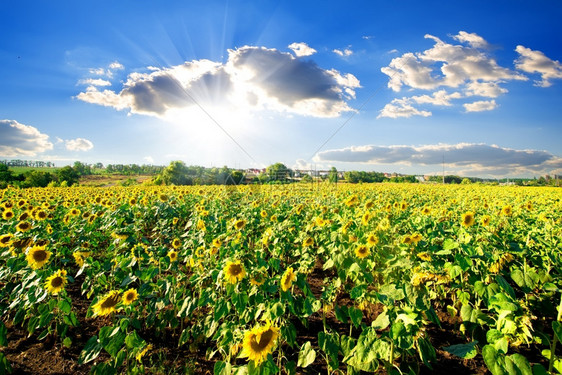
82,169
176,174
5,173
466,181
37,179
68,175
278,172
306,178
333,176
237,177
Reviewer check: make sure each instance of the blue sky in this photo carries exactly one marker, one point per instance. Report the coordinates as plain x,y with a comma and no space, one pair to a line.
359,85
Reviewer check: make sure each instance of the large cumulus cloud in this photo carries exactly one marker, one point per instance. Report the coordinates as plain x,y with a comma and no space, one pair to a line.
21,140
469,157
254,77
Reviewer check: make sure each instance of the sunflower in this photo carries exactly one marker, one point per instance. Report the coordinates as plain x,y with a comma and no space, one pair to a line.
308,242
130,296
258,342
424,255
175,220
365,218
258,279
485,220
289,276
426,210
173,255
507,210
263,214
7,214
106,304
23,226
24,216
372,240
37,256
239,224
56,282
40,215
201,225
234,272
407,240
416,237
467,219
6,240
362,251
176,243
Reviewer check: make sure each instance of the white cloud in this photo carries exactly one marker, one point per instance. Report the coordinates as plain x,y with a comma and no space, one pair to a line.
21,140
78,144
531,61
255,78
470,158
148,159
473,39
401,108
94,82
302,49
486,89
116,65
467,67
440,97
479,106
343,53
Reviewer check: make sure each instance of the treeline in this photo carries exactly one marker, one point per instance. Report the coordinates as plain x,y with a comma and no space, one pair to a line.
177,173
65,176
28,163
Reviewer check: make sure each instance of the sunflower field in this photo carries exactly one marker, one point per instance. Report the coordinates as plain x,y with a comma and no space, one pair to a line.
302,278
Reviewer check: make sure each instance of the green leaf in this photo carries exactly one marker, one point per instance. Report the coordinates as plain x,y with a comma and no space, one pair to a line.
426,351
307,355
3,334
222,368
493,360
521,363
91,350
450,244
505,286
557,328
134,341
381,322
356,316
329,264
466,351
67,342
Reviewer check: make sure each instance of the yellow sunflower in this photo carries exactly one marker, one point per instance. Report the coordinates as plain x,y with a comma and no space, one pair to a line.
6,240
239,224
467,219
23,226
37,256
362,251
258,279
234,272
372,239
308,242
7,214
130,296
259,342
176,243
173,255
56,282
485,220
106,305
507,210
289,276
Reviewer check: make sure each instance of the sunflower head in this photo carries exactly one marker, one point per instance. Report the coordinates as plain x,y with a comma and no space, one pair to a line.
467,219
234,272
7,214
130,296
6,240
37,256
507,210
23,226
372,239
258,279
107,304
56,282
259,342
239,224
176,243
362,251
486,220
173,255
289,276
308,242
